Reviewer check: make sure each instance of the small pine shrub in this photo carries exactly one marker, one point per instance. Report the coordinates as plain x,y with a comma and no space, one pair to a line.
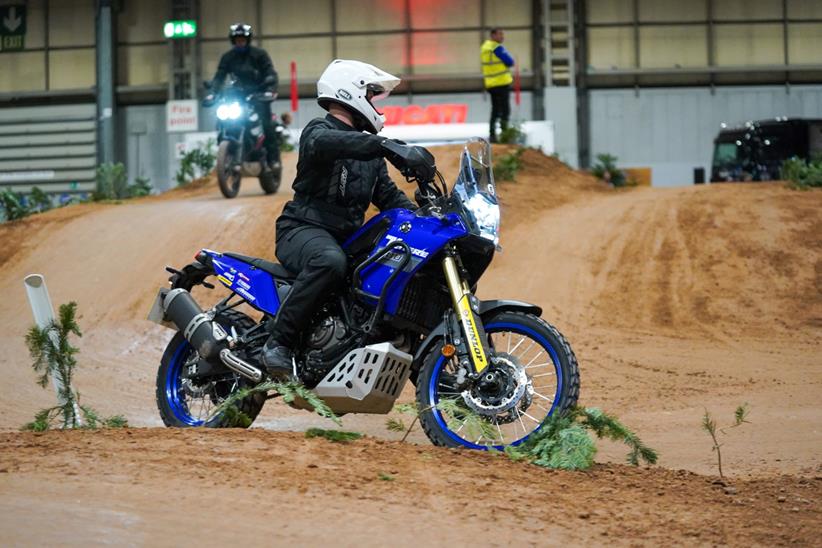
606,169
13,205
512,135
507,166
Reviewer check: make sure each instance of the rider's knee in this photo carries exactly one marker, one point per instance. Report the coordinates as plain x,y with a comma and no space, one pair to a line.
334,262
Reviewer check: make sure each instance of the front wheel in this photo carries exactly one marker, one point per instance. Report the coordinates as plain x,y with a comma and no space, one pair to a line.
229,173
270,179
184,401
532,374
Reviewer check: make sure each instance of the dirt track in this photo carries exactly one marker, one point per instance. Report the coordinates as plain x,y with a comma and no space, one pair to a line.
675,300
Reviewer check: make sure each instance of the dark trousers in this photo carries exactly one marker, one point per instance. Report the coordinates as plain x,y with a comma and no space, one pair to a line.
500,108
272,142
320,264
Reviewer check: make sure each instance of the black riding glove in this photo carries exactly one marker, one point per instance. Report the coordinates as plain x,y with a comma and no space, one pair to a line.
414,162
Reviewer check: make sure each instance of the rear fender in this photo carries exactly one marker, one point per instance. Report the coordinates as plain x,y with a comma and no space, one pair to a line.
486,310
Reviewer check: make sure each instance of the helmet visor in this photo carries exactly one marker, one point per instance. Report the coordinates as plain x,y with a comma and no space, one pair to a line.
376,92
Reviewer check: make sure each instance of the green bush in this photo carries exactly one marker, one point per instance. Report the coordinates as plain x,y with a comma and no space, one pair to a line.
606,169
196,163
802,175
112,184
39,201
506,168
13,205
512,135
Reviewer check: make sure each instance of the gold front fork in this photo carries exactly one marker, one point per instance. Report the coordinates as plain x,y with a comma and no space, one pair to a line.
471,323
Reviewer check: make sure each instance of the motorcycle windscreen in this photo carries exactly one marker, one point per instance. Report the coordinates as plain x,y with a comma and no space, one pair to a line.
476,192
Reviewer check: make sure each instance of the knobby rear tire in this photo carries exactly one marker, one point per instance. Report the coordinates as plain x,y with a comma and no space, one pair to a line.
174,415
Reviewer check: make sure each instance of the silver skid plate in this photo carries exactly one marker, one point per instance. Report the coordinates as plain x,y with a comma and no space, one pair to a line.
367,380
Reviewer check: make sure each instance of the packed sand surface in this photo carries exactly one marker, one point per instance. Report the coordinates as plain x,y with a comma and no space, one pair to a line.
676,301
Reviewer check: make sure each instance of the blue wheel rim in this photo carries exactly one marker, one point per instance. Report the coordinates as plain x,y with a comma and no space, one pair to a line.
175,397
433,399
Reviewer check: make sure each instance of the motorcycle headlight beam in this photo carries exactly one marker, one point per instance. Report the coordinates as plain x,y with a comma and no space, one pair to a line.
230,111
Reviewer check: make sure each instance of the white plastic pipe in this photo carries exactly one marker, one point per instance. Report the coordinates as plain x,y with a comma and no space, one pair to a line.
43,312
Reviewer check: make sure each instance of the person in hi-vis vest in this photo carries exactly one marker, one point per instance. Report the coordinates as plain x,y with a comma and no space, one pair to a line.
496,71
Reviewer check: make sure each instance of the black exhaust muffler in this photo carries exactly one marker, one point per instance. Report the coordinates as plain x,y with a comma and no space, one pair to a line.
205,335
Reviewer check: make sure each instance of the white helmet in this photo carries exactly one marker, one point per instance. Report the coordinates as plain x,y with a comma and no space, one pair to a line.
348,83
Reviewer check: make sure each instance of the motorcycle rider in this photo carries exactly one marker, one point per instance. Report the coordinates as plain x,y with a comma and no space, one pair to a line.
340,170
254,71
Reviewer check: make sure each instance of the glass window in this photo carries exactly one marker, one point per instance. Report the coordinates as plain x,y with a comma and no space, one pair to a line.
369,15
387,51
142,21
311,54
725,154
70,69
142,65
24,71
445,52
217,15
610,48
804,9
608,11
439,14
289,17
752,44
510,12
664,46
804,43
747,9
672,10
71,23
518,44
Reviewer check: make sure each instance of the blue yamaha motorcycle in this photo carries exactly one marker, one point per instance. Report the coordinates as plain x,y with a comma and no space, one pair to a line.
487,373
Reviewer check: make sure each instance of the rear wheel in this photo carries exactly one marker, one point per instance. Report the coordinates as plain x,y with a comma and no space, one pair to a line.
185,402
533,374
229,172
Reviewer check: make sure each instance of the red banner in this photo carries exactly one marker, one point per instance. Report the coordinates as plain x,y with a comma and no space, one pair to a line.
445,113
294,96
516,84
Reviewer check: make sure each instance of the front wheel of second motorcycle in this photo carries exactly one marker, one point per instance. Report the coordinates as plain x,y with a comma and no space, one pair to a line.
532,374
270,179
228,173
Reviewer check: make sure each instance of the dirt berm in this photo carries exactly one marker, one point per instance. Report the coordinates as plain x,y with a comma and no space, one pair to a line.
675,300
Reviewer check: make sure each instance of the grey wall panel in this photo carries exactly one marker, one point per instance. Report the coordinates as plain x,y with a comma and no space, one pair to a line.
672,130
51,147
146,146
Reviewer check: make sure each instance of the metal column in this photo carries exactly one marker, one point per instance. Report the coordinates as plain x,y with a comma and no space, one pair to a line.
105,69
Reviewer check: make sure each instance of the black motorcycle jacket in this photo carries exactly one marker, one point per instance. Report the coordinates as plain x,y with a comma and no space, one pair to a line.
340,172
249,67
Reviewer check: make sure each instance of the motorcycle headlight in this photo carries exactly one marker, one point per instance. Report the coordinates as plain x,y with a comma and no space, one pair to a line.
230,111
486,215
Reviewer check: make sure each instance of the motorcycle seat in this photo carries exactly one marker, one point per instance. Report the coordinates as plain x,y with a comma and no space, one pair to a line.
275,269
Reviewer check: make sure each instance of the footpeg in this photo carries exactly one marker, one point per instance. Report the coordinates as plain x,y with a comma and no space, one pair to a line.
240,366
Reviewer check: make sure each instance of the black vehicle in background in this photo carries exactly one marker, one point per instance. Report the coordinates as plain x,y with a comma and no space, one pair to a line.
755,151
241,139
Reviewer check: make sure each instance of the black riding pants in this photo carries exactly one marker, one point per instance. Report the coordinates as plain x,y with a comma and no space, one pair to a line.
320,264
272,142
500,108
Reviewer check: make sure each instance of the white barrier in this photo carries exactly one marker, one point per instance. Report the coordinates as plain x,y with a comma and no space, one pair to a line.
43,313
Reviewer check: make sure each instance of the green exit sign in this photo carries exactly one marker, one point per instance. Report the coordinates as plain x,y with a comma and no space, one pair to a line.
180,29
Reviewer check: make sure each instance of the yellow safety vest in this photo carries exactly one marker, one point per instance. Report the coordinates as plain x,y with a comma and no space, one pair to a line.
494,70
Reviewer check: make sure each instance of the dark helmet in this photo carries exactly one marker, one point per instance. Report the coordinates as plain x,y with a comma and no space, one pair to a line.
238,30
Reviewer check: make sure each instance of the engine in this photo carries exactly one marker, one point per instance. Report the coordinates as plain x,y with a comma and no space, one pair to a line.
329,342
